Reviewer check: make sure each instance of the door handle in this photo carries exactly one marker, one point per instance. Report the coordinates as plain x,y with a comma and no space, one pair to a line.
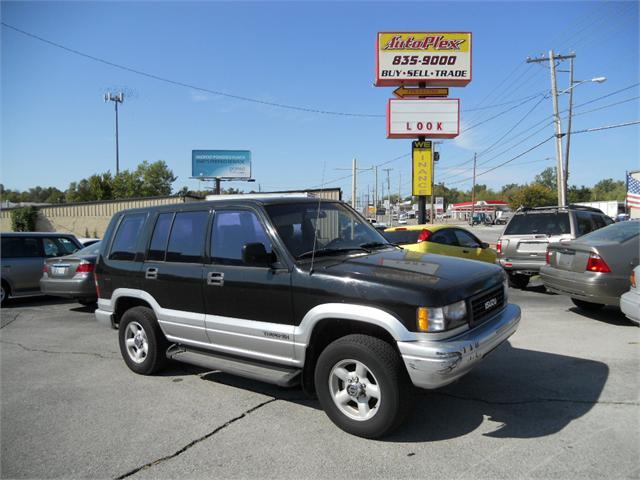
151,273
215,278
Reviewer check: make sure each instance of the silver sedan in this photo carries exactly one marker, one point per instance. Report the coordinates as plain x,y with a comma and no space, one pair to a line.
594,269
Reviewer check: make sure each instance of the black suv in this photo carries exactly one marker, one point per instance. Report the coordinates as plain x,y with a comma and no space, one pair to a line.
522,247
298,290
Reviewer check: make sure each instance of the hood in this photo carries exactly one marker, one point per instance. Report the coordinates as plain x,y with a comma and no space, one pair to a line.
443,279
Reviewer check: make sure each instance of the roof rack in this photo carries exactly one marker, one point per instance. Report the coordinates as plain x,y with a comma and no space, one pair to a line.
571,206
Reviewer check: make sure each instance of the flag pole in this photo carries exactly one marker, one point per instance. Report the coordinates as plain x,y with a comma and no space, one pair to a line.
626,193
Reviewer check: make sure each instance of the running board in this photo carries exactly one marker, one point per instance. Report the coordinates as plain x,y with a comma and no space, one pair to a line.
276,375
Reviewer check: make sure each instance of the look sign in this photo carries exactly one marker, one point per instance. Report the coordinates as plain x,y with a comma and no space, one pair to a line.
429,58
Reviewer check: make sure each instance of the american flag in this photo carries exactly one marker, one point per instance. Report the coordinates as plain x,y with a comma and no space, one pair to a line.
633,192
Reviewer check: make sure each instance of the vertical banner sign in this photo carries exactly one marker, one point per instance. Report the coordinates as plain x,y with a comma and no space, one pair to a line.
422,157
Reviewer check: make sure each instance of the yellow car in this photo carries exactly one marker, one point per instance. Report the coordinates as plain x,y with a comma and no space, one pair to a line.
448,240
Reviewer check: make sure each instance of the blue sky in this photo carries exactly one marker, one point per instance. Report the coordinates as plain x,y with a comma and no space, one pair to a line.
320,55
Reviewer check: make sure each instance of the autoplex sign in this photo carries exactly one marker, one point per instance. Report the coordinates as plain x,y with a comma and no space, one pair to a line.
429,118
221,164
429,58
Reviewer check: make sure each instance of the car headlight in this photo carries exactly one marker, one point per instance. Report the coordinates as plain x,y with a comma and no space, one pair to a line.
438,319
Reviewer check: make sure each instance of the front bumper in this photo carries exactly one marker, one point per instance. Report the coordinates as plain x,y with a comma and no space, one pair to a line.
590,287
630,306
434,364
104,313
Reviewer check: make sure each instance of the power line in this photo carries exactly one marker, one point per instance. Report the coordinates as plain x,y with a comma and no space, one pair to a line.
187,85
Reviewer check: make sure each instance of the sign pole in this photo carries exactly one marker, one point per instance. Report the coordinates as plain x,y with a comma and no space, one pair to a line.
433,182
217,188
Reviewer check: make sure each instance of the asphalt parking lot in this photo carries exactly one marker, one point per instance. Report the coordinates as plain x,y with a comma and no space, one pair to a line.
560,400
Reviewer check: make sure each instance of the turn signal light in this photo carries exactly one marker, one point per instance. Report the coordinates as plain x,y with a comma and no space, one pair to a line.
423,319
597,264
424,235
499,247
548,259
45,268
633,279
85,268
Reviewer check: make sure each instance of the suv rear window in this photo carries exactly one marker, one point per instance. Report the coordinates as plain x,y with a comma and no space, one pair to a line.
186,242
531,223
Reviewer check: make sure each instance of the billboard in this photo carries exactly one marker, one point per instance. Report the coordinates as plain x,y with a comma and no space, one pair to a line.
430,58
429,117
221,164
422,159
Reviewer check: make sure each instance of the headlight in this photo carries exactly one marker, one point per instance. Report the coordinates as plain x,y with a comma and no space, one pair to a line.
438,319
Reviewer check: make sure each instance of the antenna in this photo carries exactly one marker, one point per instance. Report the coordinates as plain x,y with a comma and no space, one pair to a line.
315,230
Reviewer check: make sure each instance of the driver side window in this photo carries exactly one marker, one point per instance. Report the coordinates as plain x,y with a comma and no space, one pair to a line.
231,230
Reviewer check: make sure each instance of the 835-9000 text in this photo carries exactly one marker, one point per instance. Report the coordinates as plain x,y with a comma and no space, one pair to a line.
425,60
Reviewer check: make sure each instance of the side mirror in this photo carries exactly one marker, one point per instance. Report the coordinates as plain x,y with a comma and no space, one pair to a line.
484,245
255,255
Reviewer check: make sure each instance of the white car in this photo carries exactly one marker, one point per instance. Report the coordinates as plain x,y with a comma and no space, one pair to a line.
630,301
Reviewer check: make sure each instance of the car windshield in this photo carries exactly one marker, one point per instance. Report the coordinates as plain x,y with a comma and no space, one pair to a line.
617,232
531,223
339,229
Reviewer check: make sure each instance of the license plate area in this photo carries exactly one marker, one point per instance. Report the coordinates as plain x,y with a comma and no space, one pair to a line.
59,270
565,260
532,247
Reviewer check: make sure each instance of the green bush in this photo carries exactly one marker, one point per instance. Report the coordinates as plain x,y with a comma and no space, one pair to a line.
23,219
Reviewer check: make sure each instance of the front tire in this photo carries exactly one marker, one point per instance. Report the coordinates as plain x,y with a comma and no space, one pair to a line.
142,343
589,306
362,385
4,294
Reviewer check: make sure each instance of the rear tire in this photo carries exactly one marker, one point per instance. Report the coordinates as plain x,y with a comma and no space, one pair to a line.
589,306
518,280
142,343
4,294
362,386
86,301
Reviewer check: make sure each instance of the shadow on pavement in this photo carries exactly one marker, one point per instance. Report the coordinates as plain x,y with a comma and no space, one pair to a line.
36,301
520,393
609,315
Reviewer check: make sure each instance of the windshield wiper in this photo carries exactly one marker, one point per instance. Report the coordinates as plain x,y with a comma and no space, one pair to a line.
379,245
330,251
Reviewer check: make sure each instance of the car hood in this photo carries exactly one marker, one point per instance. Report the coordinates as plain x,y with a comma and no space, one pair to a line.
441,279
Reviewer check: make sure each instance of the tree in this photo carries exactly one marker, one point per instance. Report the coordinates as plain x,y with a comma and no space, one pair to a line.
126,184
608,189
575,194
534,195
547,178
156,178
101,186
23,219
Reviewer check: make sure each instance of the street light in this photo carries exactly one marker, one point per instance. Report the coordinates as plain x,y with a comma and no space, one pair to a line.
573,84
118,98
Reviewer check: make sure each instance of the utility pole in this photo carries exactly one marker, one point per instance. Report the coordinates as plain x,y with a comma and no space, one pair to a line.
473,190
554,96
565,186
399,192
388,194
375,193
354,173
118,98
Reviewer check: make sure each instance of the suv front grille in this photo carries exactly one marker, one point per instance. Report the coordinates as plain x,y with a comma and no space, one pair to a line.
486,303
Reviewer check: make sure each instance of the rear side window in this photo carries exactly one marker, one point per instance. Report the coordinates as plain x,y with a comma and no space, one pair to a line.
160,237
186,242
445,237
584,223
231,230
402,237
126,238
531,223
21,247
59,246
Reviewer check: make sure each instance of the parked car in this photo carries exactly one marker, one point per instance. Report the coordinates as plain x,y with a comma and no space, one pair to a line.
503,219
594,269
441,239
291,290
71,276
480,219
630,301
23,254
522,247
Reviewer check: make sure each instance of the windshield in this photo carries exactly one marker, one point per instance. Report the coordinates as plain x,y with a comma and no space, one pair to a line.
403,237
548,223
618,232
339,228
